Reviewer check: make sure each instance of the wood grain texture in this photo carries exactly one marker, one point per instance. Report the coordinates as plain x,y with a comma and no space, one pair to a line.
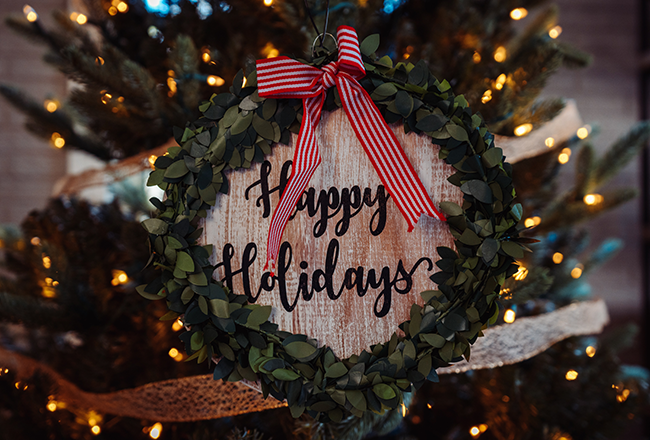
348,324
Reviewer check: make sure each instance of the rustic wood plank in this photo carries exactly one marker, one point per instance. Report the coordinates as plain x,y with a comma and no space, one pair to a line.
348,324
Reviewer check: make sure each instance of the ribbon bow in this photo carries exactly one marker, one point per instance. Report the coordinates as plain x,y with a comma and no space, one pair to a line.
283,77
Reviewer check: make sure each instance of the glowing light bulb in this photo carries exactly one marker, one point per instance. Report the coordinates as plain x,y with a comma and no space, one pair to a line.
177,325
557,258
268,2
173,353
523,129
206,57
51,406
487,96
529,222
521,273
106,97
549,142
112,10
122,7
564,156
403,410
555,32
99,61
509,316
35,241
47,262
156,430
474,431
57,140
518,14
583,132
216,81
50,105
476,57
96,430
571,375
30,13
592,199
500,54
243,83
591,351
119,277
576,272
274,53
483,427
81,19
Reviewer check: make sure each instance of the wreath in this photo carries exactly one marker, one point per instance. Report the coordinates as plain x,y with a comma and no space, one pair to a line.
240,127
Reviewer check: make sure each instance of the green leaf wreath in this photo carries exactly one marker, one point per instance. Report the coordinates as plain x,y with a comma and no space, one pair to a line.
239,128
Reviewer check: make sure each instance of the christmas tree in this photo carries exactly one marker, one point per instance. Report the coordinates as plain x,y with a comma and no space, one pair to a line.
67,291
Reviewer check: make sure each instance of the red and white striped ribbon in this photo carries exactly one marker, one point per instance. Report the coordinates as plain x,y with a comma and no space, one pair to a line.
283,77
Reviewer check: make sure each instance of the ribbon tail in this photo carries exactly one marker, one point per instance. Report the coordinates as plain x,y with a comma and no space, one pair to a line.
385,153
306,158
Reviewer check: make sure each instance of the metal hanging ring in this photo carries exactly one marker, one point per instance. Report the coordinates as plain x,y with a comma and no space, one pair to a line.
322,37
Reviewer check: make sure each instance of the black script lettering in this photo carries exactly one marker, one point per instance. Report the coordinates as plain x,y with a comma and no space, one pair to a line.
284,262
265,198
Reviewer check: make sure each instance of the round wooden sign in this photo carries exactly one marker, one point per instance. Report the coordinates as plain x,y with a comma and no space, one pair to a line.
348,271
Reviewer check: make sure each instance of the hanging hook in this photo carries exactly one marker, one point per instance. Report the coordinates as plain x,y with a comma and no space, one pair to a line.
320,35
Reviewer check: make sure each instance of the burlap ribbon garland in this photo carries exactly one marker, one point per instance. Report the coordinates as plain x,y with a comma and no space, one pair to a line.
201,398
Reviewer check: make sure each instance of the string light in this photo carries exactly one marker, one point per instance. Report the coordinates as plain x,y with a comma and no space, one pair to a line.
501,80
268,2
476,57
564,156
532,221
122,7
487,96
30,13
156,430
79,18
500,54
521,273
119,277
518,14
576,272
57,140
269,51
557,258
523,129
243,83
35,241
175,354
47,262
623,395
99,61
583,132
571,375
112,10
549,142
177,325
474,431
51,406
206,57
216,81
555,32
51,105
592,199
509,316
106,97
591,351
95,429
429,406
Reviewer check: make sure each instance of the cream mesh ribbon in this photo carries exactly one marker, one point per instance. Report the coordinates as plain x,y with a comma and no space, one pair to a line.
201,398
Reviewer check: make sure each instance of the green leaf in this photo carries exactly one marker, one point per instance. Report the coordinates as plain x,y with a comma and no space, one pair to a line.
335,370
492,157
284,374
169,316
404,103
357,399
489,249
196,341
176,170
220,308
473,315
299,349
263,128
385,90
384,391
451,209
147,295
259,315
184,261
457,132
431,122
433,340
203,305
469,238
369,45
512,249
187,295
198,279
447,352
478,189
155,226
517,211
242,123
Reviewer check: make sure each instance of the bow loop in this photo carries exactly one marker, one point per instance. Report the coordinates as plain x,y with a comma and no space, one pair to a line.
283,77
